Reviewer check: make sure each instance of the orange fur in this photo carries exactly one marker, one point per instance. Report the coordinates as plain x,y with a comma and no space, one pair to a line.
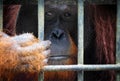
17,56
10,14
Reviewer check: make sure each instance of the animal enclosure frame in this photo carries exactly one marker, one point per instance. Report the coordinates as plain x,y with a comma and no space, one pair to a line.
80,67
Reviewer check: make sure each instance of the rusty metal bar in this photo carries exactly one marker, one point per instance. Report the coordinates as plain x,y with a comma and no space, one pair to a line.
118,38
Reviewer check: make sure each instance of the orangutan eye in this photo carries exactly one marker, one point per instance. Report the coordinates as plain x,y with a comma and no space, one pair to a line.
48,13
67,14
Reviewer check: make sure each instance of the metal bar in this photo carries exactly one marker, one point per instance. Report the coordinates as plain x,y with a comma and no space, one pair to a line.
41,19
82,67
118,38
1,15
41,28
80,37
99,2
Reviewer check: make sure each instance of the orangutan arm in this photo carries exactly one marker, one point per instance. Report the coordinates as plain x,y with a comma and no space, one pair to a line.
20,56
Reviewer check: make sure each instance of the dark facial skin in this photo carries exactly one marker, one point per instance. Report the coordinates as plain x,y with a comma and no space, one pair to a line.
61,30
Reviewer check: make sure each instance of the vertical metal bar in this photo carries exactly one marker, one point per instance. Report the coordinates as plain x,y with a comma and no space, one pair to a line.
1,14
118,38
41,19
80,37
41,28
